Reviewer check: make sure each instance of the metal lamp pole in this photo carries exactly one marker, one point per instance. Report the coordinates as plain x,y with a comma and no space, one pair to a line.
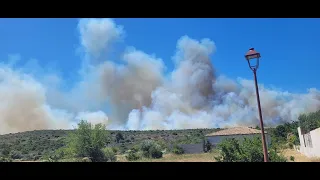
252,54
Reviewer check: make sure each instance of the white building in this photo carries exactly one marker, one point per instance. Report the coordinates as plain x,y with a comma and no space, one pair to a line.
238,133
310,143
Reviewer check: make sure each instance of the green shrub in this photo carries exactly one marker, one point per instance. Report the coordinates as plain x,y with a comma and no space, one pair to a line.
115,149
109,155
88,141
133,154
290,145
4,159
207,146
119,137
275,157
309,122
5,150
150,149
250,150
291,158
177,149
15,155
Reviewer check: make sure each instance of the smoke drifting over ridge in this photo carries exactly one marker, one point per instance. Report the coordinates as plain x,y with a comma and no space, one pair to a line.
137,91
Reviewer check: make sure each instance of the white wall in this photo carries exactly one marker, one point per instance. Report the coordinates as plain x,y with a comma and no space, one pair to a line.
214,140
310,149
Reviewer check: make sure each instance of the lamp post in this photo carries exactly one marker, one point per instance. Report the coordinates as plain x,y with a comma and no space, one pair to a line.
250,56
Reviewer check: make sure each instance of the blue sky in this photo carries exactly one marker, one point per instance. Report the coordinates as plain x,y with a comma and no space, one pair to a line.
289,47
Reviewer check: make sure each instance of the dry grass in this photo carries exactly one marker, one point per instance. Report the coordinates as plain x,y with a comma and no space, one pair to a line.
204,157
298,157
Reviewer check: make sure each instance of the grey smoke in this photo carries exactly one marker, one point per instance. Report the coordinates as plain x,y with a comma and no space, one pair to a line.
137,90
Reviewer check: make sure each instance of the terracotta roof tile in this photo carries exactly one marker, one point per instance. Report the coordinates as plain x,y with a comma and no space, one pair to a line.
236,131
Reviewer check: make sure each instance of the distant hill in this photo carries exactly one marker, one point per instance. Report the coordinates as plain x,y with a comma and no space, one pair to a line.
33,145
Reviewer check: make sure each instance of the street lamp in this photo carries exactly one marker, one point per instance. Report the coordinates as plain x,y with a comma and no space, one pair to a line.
250,56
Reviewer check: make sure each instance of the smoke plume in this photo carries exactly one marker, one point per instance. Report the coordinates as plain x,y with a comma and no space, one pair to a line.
137,91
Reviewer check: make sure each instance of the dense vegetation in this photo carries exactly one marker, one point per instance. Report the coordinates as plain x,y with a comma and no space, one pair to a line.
94,143
88,141
48,144
309,122
248,150
285,135
147,149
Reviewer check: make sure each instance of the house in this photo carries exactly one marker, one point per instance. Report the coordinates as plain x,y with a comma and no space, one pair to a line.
310,143
237,132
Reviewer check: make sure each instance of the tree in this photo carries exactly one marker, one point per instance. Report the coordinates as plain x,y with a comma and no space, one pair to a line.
119,137
249,150
281,131
88,141
309,122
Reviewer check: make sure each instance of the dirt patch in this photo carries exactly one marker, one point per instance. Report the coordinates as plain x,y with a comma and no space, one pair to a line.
298,157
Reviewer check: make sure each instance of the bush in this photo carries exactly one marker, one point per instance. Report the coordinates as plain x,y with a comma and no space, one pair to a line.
275,157
5,151
115,149
88,141
250,150
119,137
309,122
291,158
207,146
177,149
109,155
290,145
4,159
133,154
15,155
150,149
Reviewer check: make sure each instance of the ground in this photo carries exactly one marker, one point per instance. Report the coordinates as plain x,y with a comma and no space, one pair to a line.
298,156
204,157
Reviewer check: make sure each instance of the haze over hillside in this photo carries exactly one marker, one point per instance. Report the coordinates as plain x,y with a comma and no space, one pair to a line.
139,93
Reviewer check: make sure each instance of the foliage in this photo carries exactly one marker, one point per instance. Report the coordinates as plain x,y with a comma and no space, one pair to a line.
119,136
5,159
309,122
249,150
274,156
88,141
5,151
5,154
163,145
207,146
115,149
39,143
15,155
177,149
109,155
151,149
133,154
286,133
291,158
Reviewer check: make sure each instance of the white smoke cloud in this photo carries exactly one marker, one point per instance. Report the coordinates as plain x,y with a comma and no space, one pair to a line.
93,117
97,35
23,104
138,92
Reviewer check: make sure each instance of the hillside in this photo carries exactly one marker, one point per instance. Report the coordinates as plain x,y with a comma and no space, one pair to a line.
34,145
